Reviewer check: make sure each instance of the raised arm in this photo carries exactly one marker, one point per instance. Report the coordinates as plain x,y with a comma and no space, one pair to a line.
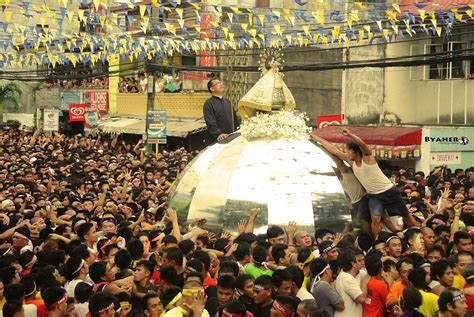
330,148
363,146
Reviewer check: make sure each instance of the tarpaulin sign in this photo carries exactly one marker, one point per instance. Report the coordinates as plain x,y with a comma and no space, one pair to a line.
97,101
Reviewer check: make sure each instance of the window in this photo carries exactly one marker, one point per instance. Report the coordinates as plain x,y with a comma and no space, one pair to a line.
435,71
455,69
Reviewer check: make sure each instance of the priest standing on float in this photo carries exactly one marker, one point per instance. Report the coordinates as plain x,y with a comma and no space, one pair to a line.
221,119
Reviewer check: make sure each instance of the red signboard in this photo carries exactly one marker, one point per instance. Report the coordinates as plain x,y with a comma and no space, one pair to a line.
324,121
97,101
77,112
207,58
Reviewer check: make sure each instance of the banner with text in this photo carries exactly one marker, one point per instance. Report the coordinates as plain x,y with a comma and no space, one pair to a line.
51,120
156,126
97,101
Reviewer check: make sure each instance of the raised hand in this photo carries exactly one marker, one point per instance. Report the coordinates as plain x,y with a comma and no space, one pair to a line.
241,226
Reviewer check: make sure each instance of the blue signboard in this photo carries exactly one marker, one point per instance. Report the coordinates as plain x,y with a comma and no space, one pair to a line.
156,126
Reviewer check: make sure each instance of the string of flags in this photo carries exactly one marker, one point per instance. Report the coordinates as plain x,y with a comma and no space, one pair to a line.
96,33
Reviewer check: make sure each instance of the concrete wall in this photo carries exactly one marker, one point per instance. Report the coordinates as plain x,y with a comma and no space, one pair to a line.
364,87
426,101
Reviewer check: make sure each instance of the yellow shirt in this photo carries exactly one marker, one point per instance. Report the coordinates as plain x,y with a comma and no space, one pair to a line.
179,312
2,302
429,304
459,281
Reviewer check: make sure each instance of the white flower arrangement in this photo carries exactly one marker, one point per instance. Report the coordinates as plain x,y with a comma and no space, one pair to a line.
276,125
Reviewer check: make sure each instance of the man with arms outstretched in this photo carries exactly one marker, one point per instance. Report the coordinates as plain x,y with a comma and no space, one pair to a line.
381,193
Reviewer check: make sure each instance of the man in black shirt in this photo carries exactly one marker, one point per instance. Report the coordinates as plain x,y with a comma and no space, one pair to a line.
220,117
263,291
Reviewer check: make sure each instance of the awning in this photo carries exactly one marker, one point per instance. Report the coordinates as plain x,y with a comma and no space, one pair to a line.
175,127
391,136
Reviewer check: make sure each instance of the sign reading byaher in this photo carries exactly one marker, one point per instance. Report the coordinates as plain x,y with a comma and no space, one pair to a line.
463,140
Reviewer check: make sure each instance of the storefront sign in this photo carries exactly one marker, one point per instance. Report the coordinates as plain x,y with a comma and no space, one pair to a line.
77,112
446,158
156,126
97,101
51,120
324,121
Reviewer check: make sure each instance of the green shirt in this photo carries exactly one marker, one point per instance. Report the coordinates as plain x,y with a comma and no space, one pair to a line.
254,271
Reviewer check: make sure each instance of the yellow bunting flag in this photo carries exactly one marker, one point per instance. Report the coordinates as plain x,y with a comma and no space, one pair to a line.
379,24
367,28
355,15
236,10
438,30
278,29
361,35
360,5
306,30
385,34
469,13
244,26
277,13
179,11
392,16
395,28
370,35
422,14
8,16
7,3
396,7
181,23
231,37
226,31
261,18
434,22
253,32
288,38
230,15
318,16
142,10
102,19
335,32
349,23
250,18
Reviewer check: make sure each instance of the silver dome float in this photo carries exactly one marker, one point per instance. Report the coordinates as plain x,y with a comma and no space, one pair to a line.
272,166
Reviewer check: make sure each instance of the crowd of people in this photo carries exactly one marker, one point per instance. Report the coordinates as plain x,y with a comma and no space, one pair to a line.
86,230
87,83
139,84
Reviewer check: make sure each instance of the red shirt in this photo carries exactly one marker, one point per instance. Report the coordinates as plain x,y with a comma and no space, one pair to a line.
469,300
377,292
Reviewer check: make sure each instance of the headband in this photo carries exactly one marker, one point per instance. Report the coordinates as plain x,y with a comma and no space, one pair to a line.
282,309
103,309
124,304
174,301
225,313
439,222
469,277
111,220
278,237
106,244
19,235
317,278
33,291
33,260
308,260
259,287
329,248
80,222
60,301
391,238
80,267
458,297
427,264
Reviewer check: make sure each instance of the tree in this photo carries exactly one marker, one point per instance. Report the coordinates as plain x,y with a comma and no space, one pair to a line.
9,93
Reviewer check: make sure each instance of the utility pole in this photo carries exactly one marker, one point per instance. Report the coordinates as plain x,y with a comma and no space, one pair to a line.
150,99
